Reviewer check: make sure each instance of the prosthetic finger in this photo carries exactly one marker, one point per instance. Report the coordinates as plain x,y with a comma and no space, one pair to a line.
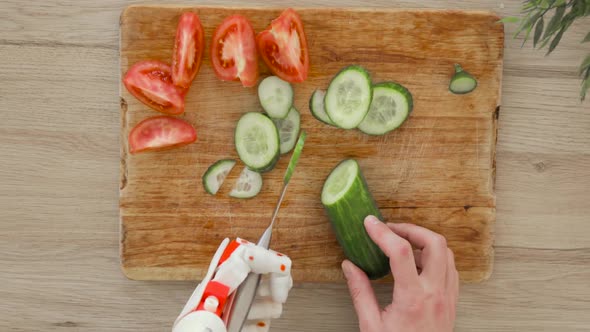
233,271
265,309
263,261
280,285
264,286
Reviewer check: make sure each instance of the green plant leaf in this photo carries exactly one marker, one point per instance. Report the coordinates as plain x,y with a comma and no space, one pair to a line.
585,88
509,19
554,22
585,65
538,31
587,38
556,40
528,26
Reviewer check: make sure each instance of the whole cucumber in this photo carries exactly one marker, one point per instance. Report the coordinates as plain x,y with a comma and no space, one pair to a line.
347,201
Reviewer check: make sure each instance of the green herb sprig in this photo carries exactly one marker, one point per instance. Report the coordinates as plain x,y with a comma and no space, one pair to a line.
549,34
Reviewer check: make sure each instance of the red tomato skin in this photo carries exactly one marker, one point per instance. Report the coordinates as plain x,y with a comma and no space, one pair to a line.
227,70
151,80
160,133
271,52
183,69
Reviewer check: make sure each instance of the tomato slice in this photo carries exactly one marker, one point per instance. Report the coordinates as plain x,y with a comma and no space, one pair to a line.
233,51
283,47
188,50
160,133
151,83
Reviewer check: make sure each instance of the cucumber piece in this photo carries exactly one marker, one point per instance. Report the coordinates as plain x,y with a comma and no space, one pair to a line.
462,82
390,107
276,97
347,201
248,185
288,130
316,106
216,174
348,97
295,157
257,141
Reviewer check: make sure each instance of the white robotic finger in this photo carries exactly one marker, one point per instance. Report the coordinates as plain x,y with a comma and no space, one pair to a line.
280,285
264,286
265,309
233,271
256,326
200,321
263,261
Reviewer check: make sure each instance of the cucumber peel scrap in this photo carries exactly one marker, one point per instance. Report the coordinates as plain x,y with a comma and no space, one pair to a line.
295,157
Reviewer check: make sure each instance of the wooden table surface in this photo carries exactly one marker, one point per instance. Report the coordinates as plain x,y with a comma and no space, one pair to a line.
59,169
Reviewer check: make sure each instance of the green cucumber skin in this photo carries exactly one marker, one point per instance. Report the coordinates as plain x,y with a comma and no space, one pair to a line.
347,217
401,89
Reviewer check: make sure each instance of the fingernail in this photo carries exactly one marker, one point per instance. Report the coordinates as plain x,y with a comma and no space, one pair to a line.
346,268
372,220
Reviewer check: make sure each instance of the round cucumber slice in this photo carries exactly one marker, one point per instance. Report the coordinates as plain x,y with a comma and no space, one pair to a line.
348,97
248,185
462,82
257,141
390,107
288,130
316,106
216,174
276,96
348,201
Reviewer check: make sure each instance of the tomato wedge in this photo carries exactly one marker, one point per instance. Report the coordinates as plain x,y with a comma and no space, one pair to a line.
283,47
160,133
151,83
233,51
188,50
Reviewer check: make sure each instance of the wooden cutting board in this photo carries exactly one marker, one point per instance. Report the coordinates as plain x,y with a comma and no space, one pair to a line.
437,170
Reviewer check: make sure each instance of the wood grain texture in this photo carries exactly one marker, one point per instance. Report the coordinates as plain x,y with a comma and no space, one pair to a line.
59,174
430,171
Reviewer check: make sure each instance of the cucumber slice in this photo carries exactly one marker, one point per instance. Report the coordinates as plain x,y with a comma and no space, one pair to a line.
316,106
390,107
276,96
257,141
248,185
348,97
347,201
288,130
216,174
462,82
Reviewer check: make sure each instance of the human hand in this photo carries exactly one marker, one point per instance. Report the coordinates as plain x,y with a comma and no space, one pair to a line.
426,286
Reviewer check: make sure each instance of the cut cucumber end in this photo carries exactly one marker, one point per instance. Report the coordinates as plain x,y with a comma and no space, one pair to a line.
462,84
248,185
391,105
257,141
339,181
276,96
348,97
462,81
288,130
215,175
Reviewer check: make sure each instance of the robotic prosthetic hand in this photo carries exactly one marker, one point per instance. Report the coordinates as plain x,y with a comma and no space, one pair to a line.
231,264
